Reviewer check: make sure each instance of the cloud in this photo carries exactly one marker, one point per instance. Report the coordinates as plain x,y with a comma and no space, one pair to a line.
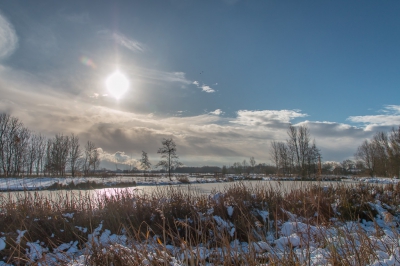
217,112
391,117
132,45
207,89
203,87
8,38
164,76
123,40
107,159
206,139
266,117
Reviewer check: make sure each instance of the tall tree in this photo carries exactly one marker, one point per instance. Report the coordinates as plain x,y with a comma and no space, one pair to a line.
169,158
145,163
75,154
91,157
299,145
275,155
252,163
365,153
57,154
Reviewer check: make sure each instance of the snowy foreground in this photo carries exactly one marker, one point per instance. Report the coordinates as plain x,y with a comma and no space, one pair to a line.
293,235
310,245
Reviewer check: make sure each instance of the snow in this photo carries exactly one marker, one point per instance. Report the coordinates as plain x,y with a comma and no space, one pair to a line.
20,235
292,235
68,215
40,183
2,243
264,215
229,209
35,250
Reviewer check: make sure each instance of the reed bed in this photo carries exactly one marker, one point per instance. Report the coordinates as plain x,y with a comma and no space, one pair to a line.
240,225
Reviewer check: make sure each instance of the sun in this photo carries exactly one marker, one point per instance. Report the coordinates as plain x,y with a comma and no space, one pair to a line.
117,84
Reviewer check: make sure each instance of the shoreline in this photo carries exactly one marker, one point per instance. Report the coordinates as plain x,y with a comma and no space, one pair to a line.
19,184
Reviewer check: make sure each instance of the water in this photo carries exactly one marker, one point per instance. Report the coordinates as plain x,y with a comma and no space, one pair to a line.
202,188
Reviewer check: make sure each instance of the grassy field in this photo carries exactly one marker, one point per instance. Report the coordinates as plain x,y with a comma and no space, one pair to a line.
260,225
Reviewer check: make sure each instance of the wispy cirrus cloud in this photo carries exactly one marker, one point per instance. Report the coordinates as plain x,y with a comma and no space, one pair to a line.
8,38
164,76
123,40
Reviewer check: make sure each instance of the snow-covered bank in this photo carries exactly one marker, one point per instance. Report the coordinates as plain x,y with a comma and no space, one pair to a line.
42,183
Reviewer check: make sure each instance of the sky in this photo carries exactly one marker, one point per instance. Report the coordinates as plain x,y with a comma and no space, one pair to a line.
223,78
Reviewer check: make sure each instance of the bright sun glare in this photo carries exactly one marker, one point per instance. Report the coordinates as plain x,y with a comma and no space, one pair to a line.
117,84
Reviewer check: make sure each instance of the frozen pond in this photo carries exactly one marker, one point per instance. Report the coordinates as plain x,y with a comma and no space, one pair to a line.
202,188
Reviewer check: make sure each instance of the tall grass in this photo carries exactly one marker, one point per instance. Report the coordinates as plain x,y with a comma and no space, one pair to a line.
172,224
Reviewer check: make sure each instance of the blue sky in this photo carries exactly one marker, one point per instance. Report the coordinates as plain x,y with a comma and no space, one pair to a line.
223,78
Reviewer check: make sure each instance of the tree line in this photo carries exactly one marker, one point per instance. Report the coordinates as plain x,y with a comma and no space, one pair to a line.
25,152
298,155
380,156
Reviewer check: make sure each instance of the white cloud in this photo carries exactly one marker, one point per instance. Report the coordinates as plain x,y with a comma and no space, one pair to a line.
207,89
265,117
203,87
8,38
117,158
217,112
391,117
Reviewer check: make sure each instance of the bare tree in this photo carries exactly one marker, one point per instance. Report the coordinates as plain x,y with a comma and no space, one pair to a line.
41,152
95,159
365,153
299,145
169,159
57,154
32,153
92,157
252,163
285,158
145,163
75,154
238,168
275,155
394,140
245,166
14,142
347,165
